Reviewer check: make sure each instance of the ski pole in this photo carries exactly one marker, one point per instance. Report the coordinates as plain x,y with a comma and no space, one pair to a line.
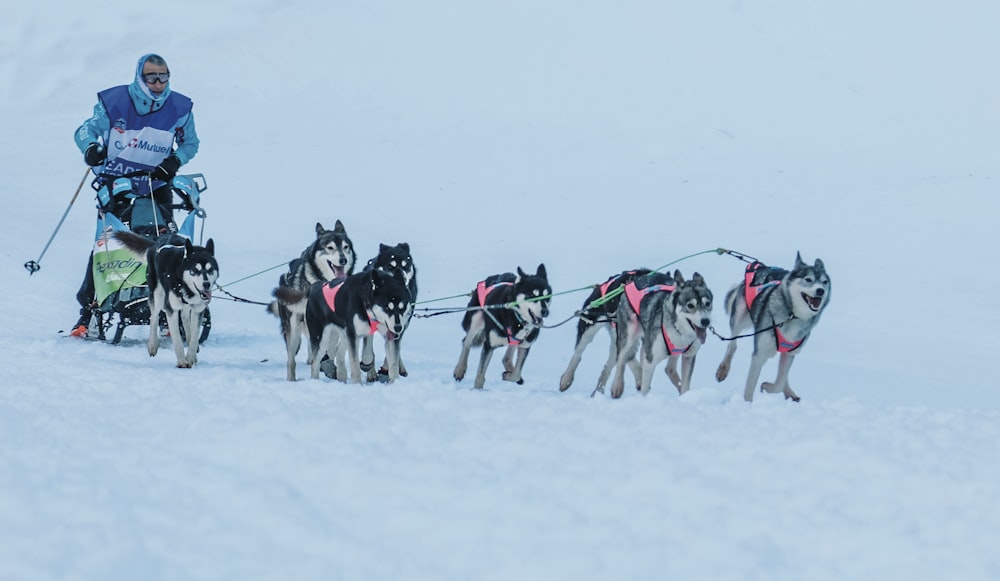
33,266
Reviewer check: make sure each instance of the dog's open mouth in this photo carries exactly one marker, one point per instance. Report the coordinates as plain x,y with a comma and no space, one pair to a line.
814,302
206,295
700,331
338,271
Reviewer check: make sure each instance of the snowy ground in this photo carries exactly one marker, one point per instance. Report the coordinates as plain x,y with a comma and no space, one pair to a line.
591,137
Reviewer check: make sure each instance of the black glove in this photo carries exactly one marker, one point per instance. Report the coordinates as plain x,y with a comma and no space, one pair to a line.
95,155
167,169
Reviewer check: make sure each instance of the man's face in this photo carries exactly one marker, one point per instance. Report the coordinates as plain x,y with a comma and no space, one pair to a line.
158,85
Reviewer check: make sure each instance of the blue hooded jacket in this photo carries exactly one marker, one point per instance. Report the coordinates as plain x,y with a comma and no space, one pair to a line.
97,129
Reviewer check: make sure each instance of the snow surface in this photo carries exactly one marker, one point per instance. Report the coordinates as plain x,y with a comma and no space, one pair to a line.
593,137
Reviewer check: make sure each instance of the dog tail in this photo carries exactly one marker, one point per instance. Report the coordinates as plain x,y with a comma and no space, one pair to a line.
287,295
134,243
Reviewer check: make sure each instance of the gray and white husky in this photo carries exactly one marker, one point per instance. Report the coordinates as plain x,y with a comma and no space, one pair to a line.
180,277
330,256
782,307
671,316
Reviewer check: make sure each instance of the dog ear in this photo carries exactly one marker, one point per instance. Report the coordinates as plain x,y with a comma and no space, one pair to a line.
319,229
678,277
541,271
405,246
382,248
798,261
188,247
520,274
696,278
818,265
339,227
210,246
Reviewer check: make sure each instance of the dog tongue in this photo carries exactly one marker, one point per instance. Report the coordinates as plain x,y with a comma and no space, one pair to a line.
206,295
702,335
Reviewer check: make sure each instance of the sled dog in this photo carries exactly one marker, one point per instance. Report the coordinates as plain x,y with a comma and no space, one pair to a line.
782,307
180,276
330,256
505,309
395,260
344,310
670,315
596,313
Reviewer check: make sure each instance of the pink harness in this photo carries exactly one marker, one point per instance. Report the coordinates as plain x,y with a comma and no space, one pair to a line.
634,296
751,291
481,291
330,293
671,348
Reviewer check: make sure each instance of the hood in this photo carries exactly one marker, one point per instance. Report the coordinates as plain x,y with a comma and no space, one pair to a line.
142,98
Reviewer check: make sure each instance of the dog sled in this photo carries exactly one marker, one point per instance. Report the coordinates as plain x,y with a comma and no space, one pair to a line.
121,291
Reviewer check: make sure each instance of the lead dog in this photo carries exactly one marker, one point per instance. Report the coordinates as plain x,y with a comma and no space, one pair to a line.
505,309
782,307
180,276
670,315
330,256
599,311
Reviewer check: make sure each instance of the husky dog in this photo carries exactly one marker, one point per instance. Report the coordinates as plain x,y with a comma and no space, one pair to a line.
782,307
505,309
180,276
598,312
340,312
329,257
397,261
670,315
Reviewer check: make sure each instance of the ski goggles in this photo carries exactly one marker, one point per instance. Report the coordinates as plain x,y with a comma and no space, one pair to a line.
151,78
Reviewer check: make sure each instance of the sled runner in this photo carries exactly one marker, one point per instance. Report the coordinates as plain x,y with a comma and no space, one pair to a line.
121,292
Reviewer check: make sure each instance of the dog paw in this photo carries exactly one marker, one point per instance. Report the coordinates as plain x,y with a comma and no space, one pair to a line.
722,373
329,368
367,366
509,376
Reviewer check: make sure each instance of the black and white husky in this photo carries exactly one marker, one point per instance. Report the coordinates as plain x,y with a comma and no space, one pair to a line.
330,256
341,312
782,307
398,261
671,316
598,311
180,276
505,309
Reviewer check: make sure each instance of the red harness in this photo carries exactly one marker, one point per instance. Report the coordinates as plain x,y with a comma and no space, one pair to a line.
330,293
750,291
